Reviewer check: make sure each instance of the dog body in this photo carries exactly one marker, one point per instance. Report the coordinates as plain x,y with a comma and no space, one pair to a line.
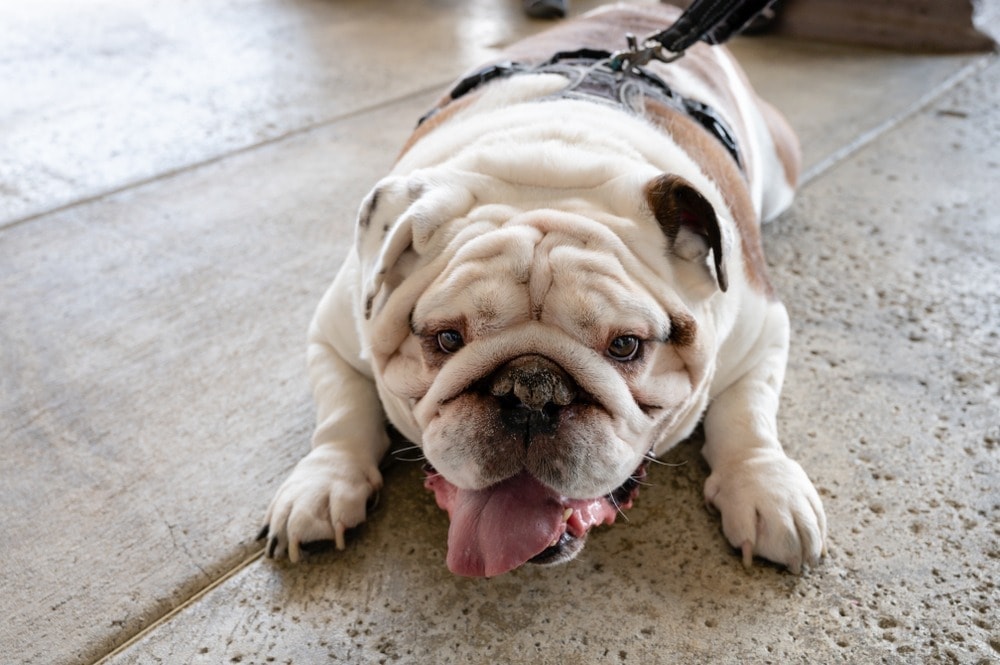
551,286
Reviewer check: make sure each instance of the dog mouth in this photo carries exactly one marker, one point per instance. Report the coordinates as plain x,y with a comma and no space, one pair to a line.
521,520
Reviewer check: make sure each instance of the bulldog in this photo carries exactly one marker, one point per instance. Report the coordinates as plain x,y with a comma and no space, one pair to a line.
559,280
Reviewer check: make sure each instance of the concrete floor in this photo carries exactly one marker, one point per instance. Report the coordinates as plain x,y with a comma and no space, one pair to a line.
177,186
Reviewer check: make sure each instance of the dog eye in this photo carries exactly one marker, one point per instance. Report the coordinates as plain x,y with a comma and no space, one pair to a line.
450,341
624,348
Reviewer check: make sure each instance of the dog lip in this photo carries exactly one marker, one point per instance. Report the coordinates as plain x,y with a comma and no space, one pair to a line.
578,518
570,544
566,548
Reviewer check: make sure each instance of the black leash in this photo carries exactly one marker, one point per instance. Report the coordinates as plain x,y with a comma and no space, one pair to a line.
711,21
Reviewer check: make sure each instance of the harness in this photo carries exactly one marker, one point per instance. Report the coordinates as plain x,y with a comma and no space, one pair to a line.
621,79
592,77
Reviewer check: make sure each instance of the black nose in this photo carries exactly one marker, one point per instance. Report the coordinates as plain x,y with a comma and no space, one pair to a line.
532,390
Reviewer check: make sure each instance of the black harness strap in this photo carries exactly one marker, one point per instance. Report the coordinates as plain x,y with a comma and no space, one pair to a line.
591,78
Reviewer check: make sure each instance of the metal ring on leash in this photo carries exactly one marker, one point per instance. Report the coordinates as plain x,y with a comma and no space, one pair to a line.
711,21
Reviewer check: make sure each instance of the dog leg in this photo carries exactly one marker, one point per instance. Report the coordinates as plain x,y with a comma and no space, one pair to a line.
328,490
769,507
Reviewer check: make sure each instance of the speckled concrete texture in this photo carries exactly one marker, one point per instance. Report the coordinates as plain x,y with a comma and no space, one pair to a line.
153,390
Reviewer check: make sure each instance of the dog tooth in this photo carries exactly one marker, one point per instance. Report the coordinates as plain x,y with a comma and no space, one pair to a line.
567,514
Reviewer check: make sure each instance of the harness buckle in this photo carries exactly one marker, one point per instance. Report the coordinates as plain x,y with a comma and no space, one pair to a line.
637,56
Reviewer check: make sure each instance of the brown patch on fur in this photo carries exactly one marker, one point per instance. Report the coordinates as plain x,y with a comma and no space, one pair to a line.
446,109
786,142
720,167
434,357
705,65
683,330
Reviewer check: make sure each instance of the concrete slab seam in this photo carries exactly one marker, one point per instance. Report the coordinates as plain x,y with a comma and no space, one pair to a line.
888,124
166,618
221,157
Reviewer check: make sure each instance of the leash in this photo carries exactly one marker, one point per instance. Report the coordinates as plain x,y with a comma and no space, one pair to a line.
711,21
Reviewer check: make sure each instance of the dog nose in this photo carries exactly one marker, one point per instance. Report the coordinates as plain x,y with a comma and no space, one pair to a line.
535,381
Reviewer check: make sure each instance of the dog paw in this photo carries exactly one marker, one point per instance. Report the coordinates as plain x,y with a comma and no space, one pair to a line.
326,494
769,509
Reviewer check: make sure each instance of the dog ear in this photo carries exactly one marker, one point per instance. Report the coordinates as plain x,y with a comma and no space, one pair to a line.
383,234
688,221
396,226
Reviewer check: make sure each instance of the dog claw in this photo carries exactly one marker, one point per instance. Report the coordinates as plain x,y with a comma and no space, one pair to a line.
262,534
373,500
338,533
747,550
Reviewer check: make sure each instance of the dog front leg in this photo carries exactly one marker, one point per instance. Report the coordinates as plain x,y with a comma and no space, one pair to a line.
329,489
769,506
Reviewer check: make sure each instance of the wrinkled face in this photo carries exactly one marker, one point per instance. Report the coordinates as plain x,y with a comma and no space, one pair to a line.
544,346
534,343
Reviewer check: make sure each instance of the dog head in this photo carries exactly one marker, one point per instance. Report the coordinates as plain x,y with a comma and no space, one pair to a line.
540,344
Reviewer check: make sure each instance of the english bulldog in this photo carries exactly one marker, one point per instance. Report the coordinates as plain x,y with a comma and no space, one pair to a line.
559,280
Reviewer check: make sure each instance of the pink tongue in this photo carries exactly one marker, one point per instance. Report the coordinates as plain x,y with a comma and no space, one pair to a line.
497,529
